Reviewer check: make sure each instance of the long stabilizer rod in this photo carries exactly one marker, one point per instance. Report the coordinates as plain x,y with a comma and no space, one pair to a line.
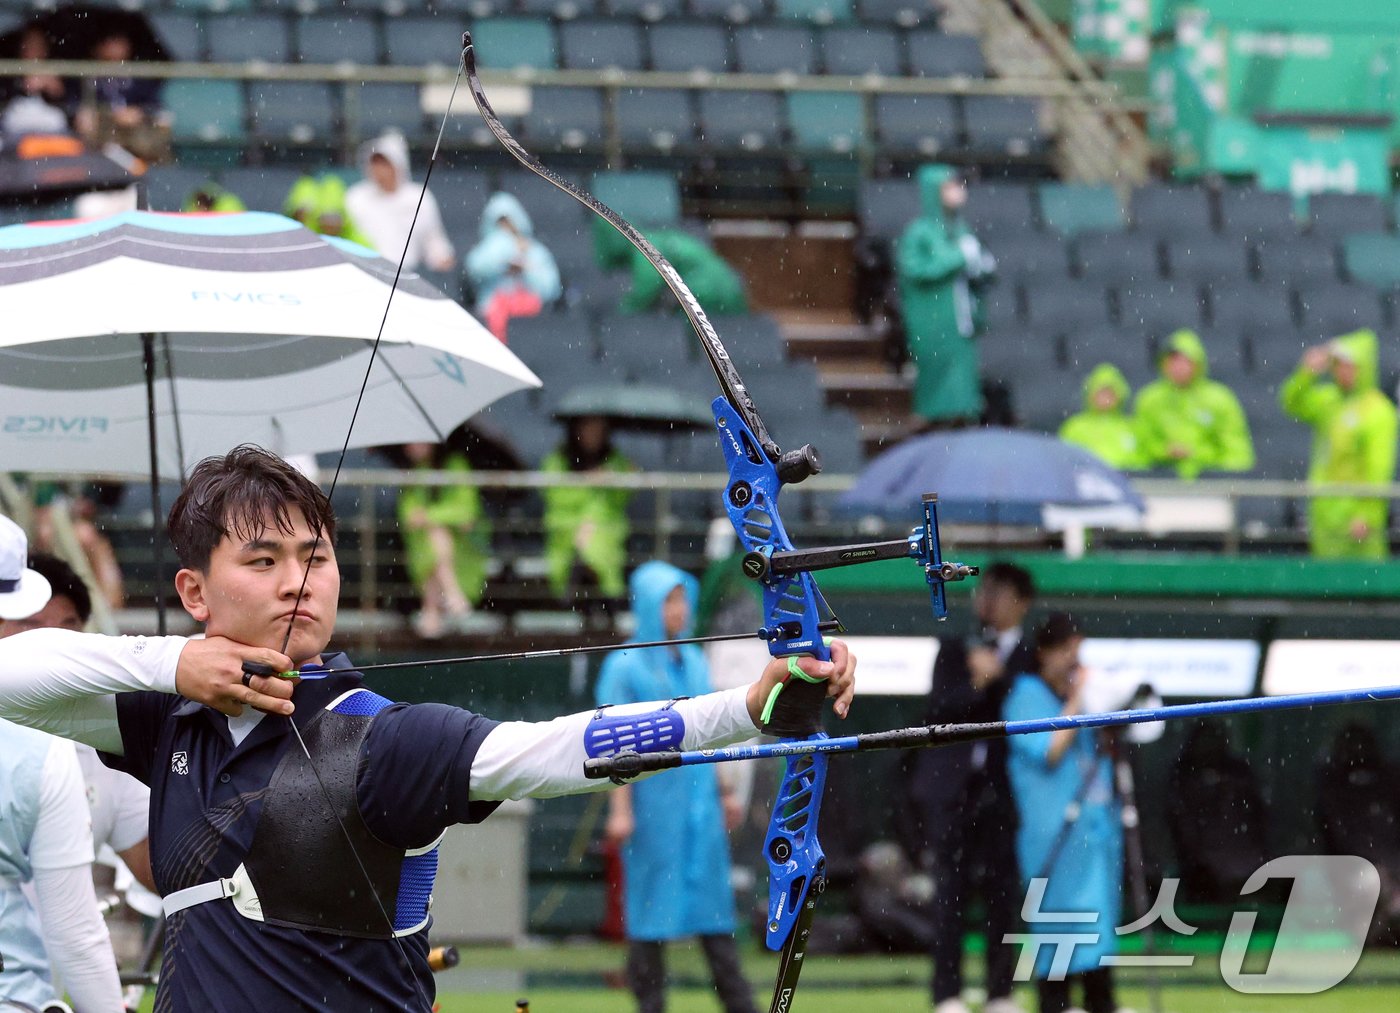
625,765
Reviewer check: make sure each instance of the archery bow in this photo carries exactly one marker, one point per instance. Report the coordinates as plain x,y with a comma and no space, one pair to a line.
792,603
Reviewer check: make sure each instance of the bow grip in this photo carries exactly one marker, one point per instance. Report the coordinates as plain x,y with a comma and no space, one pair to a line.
795,712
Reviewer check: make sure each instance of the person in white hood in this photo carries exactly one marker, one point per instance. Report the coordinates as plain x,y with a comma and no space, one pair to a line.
382,206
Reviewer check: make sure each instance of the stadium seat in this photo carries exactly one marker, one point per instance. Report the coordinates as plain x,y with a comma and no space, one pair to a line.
1373,258
1328,310
775,49
1338,214
645,10
738,12
1000,207
206,112
752,339
1115,258
1252,311
1256,215
1305,259
826,122
1001,303
1060,306
819,12
574,253
299,112
857,50
338,39
655,119
211,6
885,207
380,106
565,119
167,186
181,34
1172,212
595,44
261,187
1004,126
1086,347
933,54
423,41
904,13
565,339
477,10
1156,308
1072,208
921,126
1222,260
646,346
1028,255
552,210
747,121
680,47
646,199
461,196
244,38
512,43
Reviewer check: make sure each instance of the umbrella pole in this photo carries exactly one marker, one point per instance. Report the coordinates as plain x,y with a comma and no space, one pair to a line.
148,359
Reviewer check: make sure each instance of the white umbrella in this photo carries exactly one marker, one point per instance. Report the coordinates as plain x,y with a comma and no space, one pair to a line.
257,329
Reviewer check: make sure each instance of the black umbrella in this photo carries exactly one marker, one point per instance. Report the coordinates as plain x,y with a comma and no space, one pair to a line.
72,31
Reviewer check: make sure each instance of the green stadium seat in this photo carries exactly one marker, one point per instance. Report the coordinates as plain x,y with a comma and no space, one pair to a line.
818,12
646,199
245,38
826,121
510,43
206,112
1373,258
1072,208
337,39
680,47
775,49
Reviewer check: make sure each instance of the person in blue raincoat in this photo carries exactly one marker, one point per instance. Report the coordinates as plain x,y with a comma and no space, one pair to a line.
671,828
1070,834
512,272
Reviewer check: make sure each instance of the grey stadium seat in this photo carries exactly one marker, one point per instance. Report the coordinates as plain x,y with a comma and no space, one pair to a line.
775,49
917,125
595,44
680,47
1116,258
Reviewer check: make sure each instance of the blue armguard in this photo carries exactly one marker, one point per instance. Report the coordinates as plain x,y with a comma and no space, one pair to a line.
656,731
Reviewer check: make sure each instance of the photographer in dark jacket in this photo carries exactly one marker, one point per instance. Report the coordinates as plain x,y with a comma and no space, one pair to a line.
961,794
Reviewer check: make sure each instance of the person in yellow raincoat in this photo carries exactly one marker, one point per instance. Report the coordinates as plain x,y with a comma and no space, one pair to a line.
1354,432
586,526
319,204
1103,428
1188,421
446,537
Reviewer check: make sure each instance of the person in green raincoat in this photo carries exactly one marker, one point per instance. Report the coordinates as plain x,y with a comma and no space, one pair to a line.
1354,432
446,537
939,265
716,285
210,196
1188,421
585,526
319,204
1103,427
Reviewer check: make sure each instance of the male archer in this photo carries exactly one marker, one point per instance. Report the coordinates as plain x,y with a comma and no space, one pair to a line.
266,859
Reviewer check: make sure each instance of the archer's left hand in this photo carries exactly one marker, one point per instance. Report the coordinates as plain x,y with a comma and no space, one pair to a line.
839,673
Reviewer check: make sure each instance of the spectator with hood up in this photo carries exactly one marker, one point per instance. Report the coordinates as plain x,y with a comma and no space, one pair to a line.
513,273
1186,420
716,285
940,266
1103,428
1354,430
318,202
382,206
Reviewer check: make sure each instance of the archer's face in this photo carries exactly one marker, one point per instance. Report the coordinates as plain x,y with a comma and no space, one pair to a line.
250,591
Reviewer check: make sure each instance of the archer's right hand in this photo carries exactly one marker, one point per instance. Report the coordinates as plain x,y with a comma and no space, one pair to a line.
211,672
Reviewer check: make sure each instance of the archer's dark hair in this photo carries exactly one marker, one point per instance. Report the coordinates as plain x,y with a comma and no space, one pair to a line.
1010,575
1058,629
233,495
63,581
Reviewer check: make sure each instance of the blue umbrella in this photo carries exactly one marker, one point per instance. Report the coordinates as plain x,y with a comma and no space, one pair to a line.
998,476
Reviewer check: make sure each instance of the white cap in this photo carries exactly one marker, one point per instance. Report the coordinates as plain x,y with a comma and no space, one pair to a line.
22,591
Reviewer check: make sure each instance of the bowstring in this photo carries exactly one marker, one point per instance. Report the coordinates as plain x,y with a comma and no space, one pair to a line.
320,534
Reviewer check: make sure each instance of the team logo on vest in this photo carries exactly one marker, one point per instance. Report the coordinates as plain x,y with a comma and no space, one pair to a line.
180,763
